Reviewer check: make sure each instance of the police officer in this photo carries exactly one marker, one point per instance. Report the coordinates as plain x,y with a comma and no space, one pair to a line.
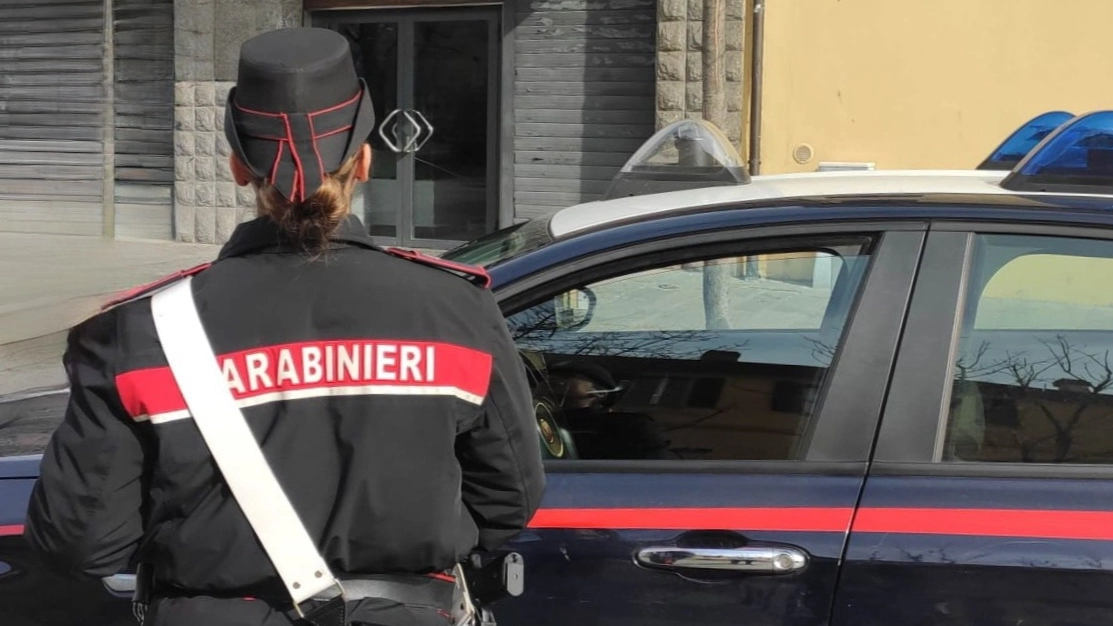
383,389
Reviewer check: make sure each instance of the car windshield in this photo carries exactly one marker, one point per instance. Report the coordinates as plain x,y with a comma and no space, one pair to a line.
503,245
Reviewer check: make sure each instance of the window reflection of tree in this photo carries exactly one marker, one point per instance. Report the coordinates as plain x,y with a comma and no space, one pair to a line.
822,351
635,326
537,327
1066,385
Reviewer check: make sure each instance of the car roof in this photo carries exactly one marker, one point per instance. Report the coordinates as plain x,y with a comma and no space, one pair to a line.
895,183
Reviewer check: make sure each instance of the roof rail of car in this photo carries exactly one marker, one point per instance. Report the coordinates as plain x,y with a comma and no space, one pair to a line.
1077,157
1023,139
687,154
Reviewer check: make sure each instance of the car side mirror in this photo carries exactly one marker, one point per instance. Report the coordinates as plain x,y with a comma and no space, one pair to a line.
574,308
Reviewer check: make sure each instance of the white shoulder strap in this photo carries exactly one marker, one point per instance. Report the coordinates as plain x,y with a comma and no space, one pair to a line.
233,446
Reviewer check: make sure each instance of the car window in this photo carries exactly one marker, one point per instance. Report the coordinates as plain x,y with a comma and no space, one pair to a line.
784,294
1033,376
721,359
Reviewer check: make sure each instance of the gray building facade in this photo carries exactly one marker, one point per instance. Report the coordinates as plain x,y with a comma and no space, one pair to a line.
489,113
207,204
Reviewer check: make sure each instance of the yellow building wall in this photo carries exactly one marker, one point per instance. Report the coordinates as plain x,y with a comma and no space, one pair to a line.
1067,280
924,83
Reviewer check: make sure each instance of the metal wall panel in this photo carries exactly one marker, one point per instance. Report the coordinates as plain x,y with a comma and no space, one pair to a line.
143,117
52,105
584,86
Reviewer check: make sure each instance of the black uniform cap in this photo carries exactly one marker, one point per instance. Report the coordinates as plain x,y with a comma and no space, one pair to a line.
298,109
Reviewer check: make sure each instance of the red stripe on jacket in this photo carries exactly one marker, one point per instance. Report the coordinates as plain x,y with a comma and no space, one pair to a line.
404,366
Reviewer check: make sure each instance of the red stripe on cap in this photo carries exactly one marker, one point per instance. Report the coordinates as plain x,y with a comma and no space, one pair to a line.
267,137
1042,524
277,161
342,129
337,107
313,140
801,519
254,112
319,365
11,531
299,173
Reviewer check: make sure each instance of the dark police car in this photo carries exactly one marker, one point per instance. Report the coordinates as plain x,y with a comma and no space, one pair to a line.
855,398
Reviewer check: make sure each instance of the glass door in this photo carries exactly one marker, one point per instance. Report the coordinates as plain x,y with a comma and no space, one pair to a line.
433,77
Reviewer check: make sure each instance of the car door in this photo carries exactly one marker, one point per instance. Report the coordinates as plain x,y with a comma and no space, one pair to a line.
990,499
30,595
707,410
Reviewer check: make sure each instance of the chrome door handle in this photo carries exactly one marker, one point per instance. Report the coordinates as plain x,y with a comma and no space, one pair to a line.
120,583
409,144
427,125
393,145
755,560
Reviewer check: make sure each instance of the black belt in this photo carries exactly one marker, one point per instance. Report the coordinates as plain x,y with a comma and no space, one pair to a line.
435,591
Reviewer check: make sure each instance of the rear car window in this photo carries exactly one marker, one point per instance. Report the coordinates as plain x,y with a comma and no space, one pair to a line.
1033,373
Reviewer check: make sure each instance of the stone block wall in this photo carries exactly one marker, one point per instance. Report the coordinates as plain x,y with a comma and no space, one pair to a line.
207,37
680,62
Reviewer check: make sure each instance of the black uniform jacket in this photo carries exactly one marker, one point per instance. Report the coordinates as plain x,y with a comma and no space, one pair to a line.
386,394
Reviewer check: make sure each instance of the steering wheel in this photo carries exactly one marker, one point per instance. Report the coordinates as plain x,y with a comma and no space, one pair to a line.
555,440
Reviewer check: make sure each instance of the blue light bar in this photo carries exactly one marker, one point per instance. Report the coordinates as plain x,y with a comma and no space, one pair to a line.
1076,158
1009,153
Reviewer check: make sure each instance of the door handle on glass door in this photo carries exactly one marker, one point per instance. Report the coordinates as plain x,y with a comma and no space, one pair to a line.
393,145
409,144
751,560
427,125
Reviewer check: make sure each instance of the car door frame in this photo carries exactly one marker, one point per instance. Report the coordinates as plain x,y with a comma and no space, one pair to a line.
923,374
850,401
914,502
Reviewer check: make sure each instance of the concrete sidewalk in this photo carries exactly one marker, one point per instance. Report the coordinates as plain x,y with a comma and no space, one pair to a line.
48,283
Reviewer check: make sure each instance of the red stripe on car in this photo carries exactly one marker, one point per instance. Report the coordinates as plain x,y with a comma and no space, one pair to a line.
1036,524
1041,524
803,519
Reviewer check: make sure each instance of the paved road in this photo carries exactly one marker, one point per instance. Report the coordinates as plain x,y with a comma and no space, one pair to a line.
50,282
32,364
26,425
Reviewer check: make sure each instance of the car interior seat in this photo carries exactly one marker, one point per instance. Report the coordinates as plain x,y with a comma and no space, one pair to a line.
965,423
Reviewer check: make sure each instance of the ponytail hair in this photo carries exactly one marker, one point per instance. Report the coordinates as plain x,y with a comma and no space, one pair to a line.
311,223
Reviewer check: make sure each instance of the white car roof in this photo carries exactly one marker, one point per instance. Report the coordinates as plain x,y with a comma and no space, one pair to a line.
781,186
